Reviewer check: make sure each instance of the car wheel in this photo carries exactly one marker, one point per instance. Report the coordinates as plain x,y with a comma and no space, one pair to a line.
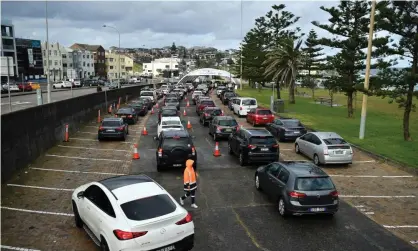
215,137
78,221
282,208
230,149
241,159
103,245
316,160
124,138
53,87
127,131
257,182
99,138
297,148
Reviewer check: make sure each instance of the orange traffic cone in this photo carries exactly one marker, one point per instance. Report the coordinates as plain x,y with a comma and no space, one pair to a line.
136,154
187,105
66,134
184,112
189,126
217,153
156,105
99,120
152,110
144,132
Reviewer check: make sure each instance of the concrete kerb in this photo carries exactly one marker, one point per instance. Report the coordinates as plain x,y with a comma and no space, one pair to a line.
375,156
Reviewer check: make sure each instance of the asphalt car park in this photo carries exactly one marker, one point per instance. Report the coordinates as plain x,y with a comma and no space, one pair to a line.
232,214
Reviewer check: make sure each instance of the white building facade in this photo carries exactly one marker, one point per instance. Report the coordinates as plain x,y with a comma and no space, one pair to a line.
56,72
83,63
158,66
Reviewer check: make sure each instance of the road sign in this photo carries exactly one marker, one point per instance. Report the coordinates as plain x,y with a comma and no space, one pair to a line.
4,64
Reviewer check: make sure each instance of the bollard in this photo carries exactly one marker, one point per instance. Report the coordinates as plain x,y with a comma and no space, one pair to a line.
98,117
126,99
66,134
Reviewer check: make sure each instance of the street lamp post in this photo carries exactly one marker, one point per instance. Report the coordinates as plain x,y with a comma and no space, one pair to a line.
367,77
240,78
48,84
118,53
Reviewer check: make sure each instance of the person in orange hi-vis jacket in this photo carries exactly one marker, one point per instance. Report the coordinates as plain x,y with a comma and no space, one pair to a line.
190,184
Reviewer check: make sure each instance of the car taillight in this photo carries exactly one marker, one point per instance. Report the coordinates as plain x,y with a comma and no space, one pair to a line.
193,151
129,116
186,219
101,128
326,151
252,147
160,152
120,128
222,113
334,194
276,146
240,108
124,235
206,114
296,194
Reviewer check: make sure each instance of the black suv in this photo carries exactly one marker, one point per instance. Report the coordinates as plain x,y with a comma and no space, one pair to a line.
253,146
174,148
113,128
222,127
298,188
208,114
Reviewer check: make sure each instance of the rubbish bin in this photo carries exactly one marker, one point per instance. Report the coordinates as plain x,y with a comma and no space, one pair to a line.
278,106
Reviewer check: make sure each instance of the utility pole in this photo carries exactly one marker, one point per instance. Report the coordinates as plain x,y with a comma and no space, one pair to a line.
8,83
240,75
48,84
367,77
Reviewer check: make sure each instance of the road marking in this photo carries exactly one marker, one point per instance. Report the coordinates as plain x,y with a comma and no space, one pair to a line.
252,238
281,149
371,176
36,211
18,248
404,226
377,196
369,213
72,157
44,188
210,144
364,161
414,242
89,148
360,206
88,132
70,171
95,140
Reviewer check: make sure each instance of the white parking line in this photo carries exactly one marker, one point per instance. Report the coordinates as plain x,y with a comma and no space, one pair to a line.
281,149
364,161
370,176
71,171
72,157
377,196
36,211
404,226
18,248
95,133
95,140
210,144
44,188
90,148
414,242
360,206
369,213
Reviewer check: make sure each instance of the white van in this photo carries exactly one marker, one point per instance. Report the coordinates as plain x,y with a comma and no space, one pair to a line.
243,105
151,94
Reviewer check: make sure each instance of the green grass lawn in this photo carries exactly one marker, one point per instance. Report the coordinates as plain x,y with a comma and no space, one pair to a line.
384,133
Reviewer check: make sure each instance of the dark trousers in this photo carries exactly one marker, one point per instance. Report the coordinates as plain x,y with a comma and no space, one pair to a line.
191,194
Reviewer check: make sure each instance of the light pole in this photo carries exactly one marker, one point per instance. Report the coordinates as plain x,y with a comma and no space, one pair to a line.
367,77
240,75
118,53
48,85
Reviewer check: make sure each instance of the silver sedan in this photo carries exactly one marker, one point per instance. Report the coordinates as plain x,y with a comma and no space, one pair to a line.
324,148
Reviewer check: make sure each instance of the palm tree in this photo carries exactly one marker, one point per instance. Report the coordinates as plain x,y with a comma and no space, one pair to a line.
282,65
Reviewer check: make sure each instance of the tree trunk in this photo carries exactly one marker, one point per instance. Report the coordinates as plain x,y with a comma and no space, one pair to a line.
279,96
313,93
292,92
350,104
408,102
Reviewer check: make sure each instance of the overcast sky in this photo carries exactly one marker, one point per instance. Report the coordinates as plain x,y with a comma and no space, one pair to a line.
151,24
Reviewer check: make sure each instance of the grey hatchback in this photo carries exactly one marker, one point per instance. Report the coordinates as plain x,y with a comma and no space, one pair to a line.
298,188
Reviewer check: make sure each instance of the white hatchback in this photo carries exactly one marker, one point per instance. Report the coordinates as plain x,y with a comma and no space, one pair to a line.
243,105
170,124
62,84
132,212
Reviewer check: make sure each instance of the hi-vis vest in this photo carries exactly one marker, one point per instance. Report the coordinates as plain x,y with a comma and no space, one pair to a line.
189,179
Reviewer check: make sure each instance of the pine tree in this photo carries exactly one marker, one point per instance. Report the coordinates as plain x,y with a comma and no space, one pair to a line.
350,26
400,18
173,48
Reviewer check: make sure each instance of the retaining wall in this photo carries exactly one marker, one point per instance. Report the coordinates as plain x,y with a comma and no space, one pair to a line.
28,133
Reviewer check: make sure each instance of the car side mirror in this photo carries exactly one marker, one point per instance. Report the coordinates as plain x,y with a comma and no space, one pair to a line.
80,195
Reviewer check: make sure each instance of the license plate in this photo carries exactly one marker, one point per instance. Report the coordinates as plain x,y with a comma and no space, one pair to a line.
123,116
296,132
110,131
177,165
228,130
317,209
338,152
169,248
264,118
264,149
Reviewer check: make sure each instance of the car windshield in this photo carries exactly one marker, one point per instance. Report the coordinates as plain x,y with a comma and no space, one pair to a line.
111,123
249,102
260,140
314,184
147,94
263,112
149,207
171,100
124,111
171,122
144,99
291,123
197,93
228,122
229,94
172,126
221,87
216,112
169,112
207,102
334,141
176,141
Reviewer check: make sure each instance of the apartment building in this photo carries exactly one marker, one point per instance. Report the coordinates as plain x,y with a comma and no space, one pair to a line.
158,66
56,71
29,59
99,57
113,62
8,47
83,63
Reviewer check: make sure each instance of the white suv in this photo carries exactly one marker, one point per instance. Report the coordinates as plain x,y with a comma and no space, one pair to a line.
151,94
132,212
